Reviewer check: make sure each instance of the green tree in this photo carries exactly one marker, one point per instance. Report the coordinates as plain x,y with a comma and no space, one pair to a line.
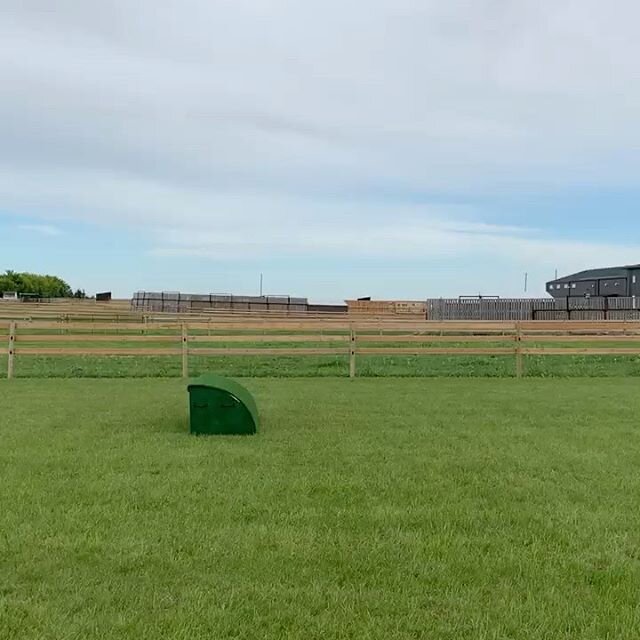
44,286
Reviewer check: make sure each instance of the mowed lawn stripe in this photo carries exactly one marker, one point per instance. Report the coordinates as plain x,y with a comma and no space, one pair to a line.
367,509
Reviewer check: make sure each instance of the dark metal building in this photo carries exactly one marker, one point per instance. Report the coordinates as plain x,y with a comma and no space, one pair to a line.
612,282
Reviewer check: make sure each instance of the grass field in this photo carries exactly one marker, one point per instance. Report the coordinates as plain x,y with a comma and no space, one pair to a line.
378,509
30,366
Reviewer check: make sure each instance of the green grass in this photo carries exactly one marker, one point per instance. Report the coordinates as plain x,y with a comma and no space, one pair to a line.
378,509
29,366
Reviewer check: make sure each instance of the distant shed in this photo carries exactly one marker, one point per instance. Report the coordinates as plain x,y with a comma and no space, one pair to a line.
610,282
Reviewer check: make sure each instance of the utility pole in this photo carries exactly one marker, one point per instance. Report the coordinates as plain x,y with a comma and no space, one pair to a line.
526,281
261,285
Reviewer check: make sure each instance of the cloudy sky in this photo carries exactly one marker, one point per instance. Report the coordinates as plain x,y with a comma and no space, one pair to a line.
393,148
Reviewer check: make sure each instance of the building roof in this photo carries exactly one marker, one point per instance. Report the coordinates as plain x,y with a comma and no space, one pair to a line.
594,274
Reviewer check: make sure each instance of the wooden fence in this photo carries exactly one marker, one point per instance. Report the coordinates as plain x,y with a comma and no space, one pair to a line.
352,340
513,309
65,310
440,310
121,311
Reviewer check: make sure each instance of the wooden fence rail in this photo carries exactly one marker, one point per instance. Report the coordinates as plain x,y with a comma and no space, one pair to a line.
313,337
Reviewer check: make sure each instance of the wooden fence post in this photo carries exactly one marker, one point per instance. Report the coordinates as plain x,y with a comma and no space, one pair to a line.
185,351
519,360
352,353
11,352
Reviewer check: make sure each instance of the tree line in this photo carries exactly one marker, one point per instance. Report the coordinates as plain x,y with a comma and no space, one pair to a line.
42,286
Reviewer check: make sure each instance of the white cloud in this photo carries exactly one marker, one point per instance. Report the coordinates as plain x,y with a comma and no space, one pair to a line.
214,126
239,227
41,229
432,240
425,94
